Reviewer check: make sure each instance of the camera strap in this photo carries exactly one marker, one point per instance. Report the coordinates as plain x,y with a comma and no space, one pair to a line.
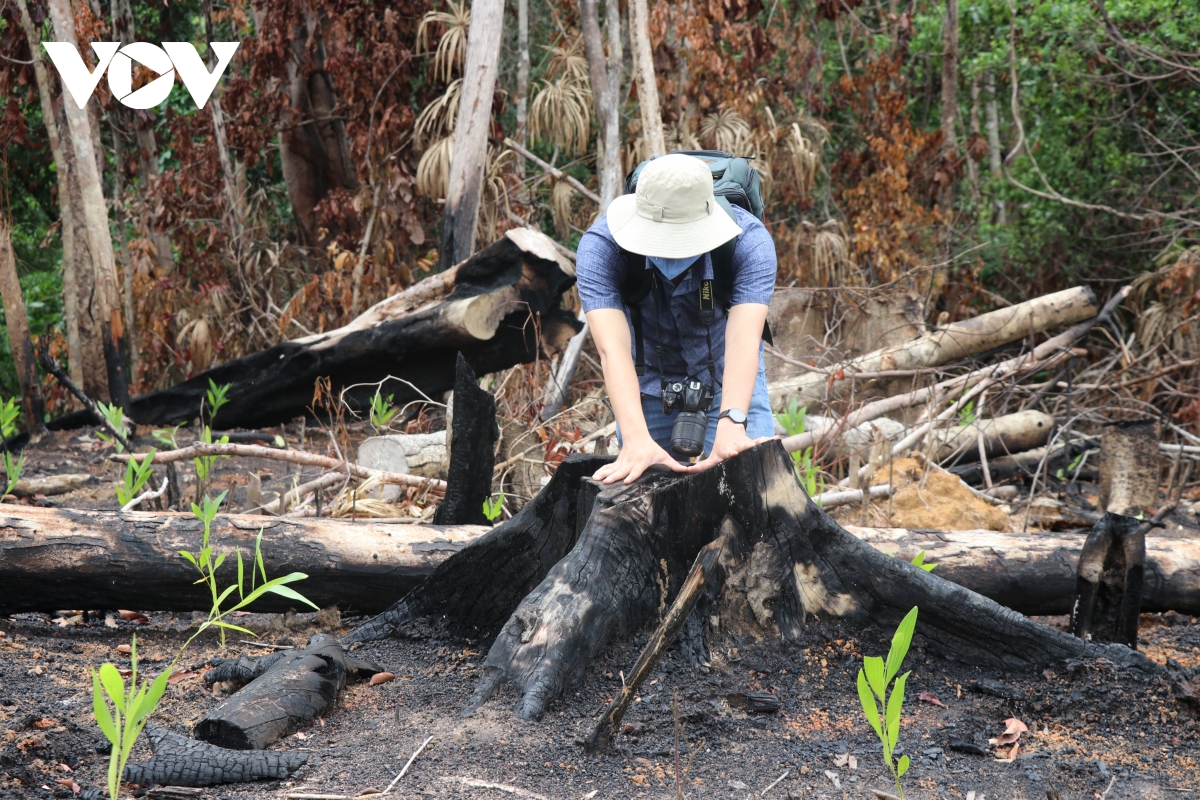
707,316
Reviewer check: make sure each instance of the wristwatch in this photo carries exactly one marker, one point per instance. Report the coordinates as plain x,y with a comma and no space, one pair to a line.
735,414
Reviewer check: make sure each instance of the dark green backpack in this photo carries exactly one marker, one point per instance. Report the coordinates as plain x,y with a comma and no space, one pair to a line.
735,183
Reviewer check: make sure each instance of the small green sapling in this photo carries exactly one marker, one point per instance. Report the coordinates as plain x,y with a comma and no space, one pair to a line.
873,681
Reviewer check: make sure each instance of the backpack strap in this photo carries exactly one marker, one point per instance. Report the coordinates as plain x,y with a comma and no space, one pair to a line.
637,285
722,261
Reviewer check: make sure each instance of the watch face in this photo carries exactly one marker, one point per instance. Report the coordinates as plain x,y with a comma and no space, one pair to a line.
737,415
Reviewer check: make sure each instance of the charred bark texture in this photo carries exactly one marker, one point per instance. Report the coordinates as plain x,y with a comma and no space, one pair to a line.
1112,572
642,538
472,452
179,761
490,309
285,691
476,591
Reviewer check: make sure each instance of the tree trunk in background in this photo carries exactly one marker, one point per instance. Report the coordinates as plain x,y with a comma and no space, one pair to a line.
105,307
314,152
66,212
123,27
949,116
465,184
973,133
605,76
232,196
643,58
522,74
18,331
995,155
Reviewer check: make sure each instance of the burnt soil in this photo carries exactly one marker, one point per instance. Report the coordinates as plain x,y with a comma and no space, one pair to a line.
1088,723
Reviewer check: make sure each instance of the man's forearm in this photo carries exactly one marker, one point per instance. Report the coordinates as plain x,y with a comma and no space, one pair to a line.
743,337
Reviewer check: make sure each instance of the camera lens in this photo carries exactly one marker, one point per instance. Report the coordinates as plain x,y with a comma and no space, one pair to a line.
687,434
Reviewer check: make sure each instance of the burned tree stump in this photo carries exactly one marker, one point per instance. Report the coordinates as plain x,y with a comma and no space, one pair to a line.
179,761
283,691
1108,591
638,544
473,435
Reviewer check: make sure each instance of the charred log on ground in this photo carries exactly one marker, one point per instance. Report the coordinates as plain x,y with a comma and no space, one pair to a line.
179,761
497,308
640,541
282,692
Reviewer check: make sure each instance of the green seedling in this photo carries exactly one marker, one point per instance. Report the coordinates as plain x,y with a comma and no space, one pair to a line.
116,417
919,561
204,464
167,435
10,411
136,476
792,420
207,563
1062,475
966,414
492,507
873,681
123,722
214,398
382,411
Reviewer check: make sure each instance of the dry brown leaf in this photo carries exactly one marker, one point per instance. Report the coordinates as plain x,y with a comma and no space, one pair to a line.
183,675
1013,728
931,698
124,648
135,617
382,677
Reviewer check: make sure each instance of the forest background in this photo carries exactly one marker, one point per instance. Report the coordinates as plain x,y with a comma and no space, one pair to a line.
980,153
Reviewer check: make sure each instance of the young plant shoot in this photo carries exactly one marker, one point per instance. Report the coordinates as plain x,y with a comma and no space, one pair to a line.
873,681
10,411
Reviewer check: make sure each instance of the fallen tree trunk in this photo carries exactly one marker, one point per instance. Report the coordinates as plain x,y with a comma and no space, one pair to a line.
61,558
180,761
795,561
943,346
1011,433
58,558
497,308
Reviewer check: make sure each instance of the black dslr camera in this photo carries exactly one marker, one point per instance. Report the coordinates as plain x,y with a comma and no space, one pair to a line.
692,398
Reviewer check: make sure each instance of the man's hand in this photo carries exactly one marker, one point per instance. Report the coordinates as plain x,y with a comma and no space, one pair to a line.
637,454
731,439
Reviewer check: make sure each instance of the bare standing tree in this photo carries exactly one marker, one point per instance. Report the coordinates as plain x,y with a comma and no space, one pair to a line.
643,58
18,324
605,75
465,184
522,74
104,311
949,118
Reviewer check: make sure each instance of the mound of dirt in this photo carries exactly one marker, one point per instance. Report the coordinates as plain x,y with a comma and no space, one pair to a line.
937,501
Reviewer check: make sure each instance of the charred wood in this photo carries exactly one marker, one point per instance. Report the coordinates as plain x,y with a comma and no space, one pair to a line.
179,761
473,435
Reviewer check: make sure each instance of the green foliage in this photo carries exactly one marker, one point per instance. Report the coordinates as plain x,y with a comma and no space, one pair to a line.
131,708
382,410
966,414
792,421
204,464
215,397
136,476
1062,475
207,563
492,507
873,693
10,412
919,561
167,435
123,722
116,417
43,305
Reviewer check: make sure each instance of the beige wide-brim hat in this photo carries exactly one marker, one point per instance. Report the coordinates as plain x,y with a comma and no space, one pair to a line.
674,213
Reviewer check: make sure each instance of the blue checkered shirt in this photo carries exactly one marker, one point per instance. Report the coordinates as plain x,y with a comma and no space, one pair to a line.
600,270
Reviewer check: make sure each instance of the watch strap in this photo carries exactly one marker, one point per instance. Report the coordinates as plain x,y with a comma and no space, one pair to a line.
728,414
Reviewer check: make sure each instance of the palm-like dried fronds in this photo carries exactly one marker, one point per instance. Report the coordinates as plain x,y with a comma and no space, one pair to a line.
433,170
452,46
824,255
803,159
727,130
679,136
1163,323
561,115
561,197
568,62
438,118
494,193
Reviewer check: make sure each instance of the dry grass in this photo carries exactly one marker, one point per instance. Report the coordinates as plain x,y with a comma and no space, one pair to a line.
823,255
